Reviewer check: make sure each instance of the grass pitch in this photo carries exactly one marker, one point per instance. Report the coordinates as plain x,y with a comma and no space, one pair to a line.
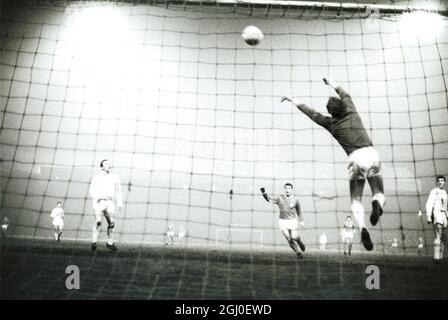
35,269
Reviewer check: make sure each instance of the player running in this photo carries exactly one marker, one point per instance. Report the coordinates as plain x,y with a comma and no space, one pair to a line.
290,214
436,214
346,126
348,231
58,221
105,191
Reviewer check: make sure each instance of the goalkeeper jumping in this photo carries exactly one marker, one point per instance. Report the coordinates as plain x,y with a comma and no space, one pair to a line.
346,126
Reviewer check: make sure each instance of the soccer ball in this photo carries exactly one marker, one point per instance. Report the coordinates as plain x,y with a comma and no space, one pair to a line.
252,35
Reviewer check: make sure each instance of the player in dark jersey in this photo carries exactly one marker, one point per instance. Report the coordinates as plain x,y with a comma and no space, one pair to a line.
290,213
346,126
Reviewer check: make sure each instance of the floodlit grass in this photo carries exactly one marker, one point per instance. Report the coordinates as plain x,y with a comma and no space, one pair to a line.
35,269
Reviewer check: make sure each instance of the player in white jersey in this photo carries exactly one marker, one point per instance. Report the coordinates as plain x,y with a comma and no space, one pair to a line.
289,217
394,244
436,214
169,235
58,221
5,225
105,191
420,245
323,241
347,233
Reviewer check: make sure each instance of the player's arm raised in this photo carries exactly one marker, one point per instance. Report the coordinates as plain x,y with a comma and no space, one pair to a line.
310,112
345,97
267,197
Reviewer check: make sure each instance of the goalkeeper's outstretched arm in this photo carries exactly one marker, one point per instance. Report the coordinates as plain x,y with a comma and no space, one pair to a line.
345,97
310,112
266,196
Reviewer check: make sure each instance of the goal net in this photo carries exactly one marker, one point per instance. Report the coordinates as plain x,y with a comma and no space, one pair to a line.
191,119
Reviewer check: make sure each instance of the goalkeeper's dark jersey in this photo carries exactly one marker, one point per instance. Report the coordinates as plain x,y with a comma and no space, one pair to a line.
348,128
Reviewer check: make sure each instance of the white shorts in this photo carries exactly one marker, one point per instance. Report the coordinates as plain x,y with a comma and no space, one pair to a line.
4,227
288,224
58,223
347,235
440,218
420,246
364,163
101,206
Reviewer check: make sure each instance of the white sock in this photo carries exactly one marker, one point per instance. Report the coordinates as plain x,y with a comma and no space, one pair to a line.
358,213
437,249
110,234
381,199
55,236
95,233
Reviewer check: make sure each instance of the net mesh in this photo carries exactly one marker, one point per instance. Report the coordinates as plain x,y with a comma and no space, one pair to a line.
191,118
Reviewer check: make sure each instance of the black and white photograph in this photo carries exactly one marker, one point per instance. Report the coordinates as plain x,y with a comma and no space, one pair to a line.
234,151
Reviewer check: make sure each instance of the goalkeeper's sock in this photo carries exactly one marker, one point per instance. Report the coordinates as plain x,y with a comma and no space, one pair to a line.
358,213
